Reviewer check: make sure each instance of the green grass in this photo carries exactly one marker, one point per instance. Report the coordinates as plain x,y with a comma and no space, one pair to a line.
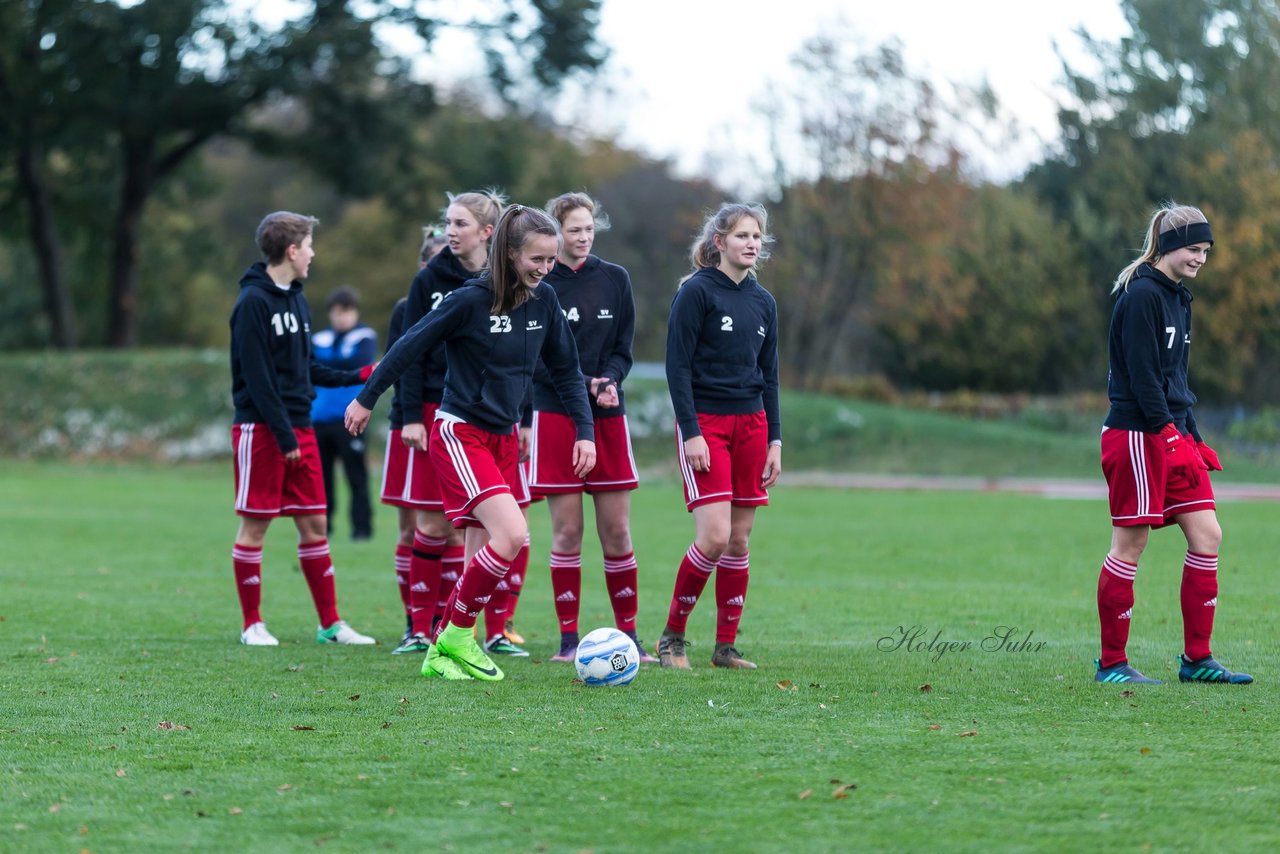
119,613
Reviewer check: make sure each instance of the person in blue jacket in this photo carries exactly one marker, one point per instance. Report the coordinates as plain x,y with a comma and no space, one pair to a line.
494,330
347,344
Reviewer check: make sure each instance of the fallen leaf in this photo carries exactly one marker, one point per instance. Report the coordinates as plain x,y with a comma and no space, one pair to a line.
816,685
354,697
302,728
598,729
404,701
201,813
386,724
967,733
294,668
168,796
119,772
1145,750
786,685
935,726
926,688
275,696
822,705
505,804
842,792
284,787
833,781
805,794
51,660
235,811
391,810
55,807
1127,693
84,831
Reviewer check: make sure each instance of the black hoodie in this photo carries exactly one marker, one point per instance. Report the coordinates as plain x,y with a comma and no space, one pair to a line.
423,381
272,369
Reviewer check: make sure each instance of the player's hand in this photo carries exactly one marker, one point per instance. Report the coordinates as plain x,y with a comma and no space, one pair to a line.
1209,456
1182,455
772,466
414,435
584,457
607,395
697,454
367,371
526,442
293,456
356,418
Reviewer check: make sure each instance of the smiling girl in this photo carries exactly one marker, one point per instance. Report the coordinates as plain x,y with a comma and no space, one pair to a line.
494,330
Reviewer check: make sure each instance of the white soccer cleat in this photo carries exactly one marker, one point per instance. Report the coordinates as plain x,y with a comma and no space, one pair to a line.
257,635
340,632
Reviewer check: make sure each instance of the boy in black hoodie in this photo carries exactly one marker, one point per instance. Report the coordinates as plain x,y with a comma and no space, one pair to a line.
277,464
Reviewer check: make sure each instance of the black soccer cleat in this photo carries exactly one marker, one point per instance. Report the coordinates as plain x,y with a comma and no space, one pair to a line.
1207,669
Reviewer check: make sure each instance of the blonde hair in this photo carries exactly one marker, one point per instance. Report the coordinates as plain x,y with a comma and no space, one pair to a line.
485,205
704,252
517,224
566,203
1169,215
280,230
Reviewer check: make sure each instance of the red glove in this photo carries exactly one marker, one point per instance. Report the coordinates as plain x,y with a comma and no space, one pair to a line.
1209,456
367,371
1183,457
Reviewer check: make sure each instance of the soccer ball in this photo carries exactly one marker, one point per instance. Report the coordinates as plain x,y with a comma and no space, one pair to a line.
607,657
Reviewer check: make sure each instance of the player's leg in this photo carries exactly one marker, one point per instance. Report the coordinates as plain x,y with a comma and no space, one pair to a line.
259,476
566,568
732,576
1199,596
621,573
317,568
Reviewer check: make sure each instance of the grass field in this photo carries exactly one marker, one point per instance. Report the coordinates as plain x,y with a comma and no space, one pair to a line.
132,720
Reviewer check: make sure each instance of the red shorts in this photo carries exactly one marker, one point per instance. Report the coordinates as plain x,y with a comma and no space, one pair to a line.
266,485
739,445
408,476
551,456
472,465
1140,488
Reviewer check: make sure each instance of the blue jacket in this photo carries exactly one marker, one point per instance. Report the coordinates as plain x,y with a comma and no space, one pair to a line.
722,351
350,350
273,373
1148,350
491,358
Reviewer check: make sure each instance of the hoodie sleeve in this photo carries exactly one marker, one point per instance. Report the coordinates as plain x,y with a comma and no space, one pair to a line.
618,363
768,361
560,356
683,328
249,338
415,309
1141,331
428,332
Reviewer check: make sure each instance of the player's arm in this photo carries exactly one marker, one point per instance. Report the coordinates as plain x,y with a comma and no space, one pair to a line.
768,362
688,312
249,337
1144,334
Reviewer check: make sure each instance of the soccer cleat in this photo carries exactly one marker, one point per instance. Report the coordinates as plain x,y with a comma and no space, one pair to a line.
413,643
257,635
458,643
436,665
726,656
340,632
499,645
645,657
568,647
510,633
1207,669
1121,672
672,651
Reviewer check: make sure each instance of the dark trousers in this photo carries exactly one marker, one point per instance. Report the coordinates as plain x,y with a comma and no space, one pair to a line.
336,443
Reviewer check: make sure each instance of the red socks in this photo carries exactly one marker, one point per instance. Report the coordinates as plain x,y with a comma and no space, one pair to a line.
1115,608
695,570
476,586
503,603
317,568
1199,602
247,561
403,555
731,594
566,586
451,571
515,578
424,580
620,580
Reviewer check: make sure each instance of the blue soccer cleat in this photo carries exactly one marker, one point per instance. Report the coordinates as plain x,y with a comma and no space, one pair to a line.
1207,669
1122,672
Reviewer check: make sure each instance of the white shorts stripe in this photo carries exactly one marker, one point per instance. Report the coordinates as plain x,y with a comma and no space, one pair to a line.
686,470
244,452
458,456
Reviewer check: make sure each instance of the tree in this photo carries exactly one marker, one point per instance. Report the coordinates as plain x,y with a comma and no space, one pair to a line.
155,82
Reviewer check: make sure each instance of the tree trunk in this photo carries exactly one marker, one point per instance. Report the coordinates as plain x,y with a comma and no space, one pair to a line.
48,250
122,312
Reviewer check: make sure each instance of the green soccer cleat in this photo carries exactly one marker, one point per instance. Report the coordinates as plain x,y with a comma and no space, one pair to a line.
500,645
460,644
414,643
436,665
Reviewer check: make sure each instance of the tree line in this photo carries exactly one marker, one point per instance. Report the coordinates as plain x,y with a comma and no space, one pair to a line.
142,144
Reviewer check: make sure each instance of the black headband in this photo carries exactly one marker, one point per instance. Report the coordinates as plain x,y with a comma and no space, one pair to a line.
1176,238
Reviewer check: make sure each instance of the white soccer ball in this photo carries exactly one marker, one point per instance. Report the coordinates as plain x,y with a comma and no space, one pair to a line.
607,657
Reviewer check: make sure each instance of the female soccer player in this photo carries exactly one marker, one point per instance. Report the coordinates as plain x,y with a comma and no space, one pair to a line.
597,301
722,371
437,550
494,330
1156,464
